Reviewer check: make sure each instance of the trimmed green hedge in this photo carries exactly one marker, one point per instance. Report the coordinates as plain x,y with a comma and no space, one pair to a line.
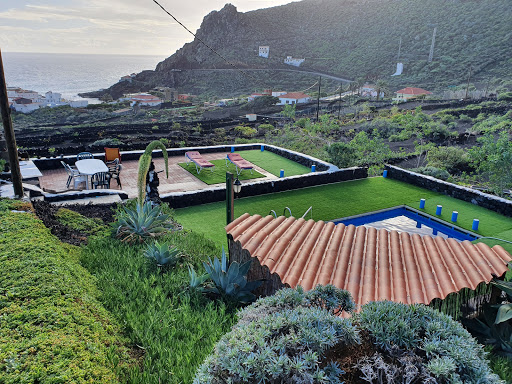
52,328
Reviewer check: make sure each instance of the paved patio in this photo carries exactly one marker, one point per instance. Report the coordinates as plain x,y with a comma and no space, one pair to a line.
179,180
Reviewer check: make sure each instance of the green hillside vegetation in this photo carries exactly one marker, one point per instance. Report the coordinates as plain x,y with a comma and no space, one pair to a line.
53,329
357,39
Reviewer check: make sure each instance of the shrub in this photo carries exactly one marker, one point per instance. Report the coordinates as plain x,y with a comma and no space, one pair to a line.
450,158
107,143
449,350
281,339
266,127
245,131
438,173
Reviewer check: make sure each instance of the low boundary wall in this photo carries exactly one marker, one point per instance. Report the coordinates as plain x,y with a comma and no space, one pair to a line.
485,200
212,195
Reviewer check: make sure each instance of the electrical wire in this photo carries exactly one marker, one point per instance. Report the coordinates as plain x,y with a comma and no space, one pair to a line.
210,48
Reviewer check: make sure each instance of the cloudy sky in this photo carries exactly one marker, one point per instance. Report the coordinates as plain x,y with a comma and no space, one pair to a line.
106,26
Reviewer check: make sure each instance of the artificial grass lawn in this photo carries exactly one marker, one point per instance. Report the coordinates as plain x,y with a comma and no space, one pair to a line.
339,200
219,173
273,163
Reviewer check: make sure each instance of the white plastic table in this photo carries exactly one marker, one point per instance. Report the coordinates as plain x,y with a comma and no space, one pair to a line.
90,167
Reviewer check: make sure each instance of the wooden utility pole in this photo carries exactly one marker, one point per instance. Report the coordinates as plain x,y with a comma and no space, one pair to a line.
318,97
339,104
467,86
10,139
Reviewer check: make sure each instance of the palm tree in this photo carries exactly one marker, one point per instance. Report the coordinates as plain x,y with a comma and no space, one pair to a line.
381,86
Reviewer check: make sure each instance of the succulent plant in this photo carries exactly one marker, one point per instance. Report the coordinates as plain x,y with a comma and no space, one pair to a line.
196,281
162,254
142,221
231,281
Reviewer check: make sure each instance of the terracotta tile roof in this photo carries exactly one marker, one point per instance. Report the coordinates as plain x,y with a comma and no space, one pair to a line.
372,264
294,95
413,91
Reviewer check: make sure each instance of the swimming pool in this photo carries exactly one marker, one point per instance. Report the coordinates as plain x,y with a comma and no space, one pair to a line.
406,219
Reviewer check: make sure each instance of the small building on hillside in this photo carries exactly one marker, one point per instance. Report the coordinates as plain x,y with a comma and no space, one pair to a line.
294,98
142,99
410,93
24,105
370,90
127,78
293,61
264,51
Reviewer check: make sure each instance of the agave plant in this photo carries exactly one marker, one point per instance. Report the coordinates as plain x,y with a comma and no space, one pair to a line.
231,281
196,281
143,221
162,254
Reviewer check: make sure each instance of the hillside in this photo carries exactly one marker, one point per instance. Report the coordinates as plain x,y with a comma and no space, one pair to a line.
349,39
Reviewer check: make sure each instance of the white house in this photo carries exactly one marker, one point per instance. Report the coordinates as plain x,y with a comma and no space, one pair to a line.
410,93
24,105
294,98
295,62
253,96
369,90
264,51
53,97
143,99
78,103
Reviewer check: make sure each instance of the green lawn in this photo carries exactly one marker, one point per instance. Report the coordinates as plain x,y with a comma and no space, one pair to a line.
219,173
338,200
273,163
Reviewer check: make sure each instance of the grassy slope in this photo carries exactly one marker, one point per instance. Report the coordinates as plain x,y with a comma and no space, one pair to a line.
175,330
52,328
340,200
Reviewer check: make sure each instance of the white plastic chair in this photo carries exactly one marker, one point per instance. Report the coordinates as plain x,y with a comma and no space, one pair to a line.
74,175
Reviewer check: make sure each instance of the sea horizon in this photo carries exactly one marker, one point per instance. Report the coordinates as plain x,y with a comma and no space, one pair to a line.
72,73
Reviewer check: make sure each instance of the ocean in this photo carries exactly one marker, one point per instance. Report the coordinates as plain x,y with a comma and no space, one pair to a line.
70,74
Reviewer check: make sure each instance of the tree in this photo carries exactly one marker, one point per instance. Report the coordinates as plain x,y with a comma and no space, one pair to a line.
381,86
289,111
493,159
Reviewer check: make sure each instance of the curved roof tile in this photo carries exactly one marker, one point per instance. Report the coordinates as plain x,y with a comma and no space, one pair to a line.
372,264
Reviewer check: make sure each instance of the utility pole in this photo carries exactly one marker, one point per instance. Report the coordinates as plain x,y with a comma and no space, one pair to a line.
467,86
431,54
318,97
10,139
339,104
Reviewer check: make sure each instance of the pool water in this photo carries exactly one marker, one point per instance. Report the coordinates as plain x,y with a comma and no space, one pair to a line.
404,219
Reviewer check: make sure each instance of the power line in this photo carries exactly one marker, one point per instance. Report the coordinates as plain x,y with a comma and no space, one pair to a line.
210,48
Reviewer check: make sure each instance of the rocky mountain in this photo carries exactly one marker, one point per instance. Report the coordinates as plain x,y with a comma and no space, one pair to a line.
345,38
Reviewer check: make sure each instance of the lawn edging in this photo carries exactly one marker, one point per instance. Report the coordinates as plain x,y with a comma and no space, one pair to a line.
215,194
485,200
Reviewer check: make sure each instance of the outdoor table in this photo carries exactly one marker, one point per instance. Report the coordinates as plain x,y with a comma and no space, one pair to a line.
89,167
29,170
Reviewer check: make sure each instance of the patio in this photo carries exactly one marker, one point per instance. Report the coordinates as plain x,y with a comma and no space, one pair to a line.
180,180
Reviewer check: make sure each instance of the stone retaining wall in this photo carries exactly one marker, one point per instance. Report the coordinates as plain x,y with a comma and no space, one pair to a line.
473,196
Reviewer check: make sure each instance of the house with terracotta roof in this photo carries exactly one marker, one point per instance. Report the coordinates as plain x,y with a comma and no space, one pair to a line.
294,98
410,93
142,99
372,264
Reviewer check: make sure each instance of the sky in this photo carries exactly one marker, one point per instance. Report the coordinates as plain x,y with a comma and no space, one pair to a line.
137,27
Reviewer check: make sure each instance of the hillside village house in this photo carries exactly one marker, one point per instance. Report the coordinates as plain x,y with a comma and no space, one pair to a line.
264,51
25,101
370,90
143,99
293,61
294,98
410,93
